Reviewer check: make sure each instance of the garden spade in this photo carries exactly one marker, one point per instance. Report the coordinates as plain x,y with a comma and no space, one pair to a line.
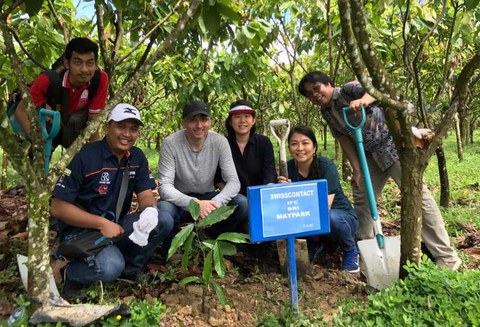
380,255
280,129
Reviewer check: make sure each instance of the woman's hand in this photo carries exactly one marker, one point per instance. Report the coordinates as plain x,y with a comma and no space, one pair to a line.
282,179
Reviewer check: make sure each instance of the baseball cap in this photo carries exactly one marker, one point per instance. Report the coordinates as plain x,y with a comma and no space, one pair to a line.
123,111
241,109
194,108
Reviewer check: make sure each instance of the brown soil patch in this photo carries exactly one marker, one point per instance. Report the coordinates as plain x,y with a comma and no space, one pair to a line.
254,284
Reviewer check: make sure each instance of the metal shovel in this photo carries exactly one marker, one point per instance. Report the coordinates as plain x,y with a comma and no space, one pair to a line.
382,254
280,129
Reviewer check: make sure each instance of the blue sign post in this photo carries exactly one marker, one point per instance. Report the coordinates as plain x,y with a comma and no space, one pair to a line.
286,211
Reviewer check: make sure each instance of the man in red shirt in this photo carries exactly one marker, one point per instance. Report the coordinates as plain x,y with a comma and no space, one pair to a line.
82,83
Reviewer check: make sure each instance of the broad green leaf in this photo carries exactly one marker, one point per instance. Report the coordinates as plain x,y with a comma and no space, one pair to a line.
201,24
227,248
471,4
207,268
219,292
190,279
211,18
209,244
231,13
219,261
187,249
247,33
179,239
216,216
32,7
194,209
173,82
233,237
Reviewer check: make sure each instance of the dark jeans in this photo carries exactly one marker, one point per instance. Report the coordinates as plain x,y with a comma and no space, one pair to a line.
237,222
122,257
343,228
76,123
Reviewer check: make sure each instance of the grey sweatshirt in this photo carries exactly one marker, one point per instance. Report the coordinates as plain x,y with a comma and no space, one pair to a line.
184,171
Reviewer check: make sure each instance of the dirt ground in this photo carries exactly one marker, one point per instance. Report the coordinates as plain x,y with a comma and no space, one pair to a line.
254,284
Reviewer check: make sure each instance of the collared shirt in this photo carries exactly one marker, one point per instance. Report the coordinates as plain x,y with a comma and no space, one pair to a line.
93,178
328,171
377,140
77,97
256,166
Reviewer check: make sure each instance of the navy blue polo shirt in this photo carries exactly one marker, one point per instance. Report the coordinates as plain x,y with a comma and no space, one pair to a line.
328,171
93,179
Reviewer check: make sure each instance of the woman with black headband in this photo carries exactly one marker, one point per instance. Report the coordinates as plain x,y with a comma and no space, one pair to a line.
252,152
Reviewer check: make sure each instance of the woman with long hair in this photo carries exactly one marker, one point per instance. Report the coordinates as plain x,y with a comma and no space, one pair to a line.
307,165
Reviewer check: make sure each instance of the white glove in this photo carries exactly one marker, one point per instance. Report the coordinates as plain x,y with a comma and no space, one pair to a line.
144,225
422,133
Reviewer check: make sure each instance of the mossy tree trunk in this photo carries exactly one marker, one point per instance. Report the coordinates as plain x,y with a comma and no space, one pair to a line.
38,186
399,115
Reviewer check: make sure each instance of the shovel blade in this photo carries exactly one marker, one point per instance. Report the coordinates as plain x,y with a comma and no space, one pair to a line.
382,266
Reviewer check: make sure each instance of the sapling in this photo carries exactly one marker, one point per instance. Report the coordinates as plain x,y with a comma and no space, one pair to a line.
191,240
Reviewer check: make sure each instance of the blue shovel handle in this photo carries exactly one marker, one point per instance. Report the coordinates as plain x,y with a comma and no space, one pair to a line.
365,172
49,136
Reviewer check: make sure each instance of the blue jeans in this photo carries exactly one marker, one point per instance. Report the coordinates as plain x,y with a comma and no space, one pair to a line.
237,222
343,228
122,257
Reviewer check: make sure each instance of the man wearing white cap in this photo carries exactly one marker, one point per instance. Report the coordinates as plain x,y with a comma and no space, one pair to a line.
86,200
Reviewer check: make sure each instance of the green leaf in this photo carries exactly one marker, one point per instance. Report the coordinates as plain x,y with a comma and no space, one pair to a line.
209,243
201,24
190,279
219,292
179,239
216,216
471,4
231,13
219,261
207,268
173,82
227,248
233,237
187,249
247,33
32,7
211,18
194,209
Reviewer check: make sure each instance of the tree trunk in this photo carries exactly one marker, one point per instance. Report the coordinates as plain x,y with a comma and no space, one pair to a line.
325,135
459,139
471,130
38,250
3,183
443,175
337,150
346,168
411,210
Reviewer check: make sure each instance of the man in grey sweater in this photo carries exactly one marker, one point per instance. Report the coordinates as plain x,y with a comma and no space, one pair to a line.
188,161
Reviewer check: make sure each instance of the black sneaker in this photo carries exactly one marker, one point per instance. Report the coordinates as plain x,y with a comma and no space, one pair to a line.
70,290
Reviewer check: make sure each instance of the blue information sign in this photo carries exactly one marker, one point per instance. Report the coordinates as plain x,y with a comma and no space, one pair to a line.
286,210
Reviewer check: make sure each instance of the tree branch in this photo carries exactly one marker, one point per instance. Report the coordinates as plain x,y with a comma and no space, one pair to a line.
60,21
10,9
29,55
458,99
156,26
